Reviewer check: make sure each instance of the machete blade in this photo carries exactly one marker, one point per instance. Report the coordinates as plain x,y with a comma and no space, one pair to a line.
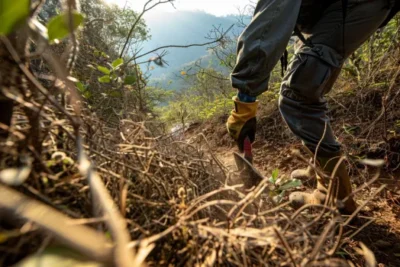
250,175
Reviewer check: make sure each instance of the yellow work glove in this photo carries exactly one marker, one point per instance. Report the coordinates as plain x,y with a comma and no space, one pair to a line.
242,122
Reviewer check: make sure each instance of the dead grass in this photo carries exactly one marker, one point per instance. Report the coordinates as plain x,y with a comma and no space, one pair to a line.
172,196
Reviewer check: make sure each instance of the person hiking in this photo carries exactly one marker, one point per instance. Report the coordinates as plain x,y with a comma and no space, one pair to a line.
329,32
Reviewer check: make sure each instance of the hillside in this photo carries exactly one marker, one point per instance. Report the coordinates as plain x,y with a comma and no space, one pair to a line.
184,28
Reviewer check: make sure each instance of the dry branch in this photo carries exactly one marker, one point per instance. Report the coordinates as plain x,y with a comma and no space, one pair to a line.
84,239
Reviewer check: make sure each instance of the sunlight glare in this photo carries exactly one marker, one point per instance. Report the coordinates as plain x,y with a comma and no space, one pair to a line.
215,7
113,2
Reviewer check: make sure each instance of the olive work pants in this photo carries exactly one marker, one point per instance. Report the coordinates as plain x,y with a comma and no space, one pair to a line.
315,67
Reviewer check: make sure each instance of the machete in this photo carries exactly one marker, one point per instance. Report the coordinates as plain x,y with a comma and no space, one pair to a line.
250,175
247,149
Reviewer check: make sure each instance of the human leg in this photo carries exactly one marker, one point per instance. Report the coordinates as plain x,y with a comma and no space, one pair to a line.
312,74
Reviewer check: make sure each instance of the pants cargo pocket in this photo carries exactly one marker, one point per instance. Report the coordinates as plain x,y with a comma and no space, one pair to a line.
306,79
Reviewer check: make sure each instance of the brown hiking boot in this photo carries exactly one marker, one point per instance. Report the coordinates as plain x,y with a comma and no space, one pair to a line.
303,174
327,165
299,199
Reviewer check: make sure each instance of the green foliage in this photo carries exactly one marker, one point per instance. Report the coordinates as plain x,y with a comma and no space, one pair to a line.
280,186
114,94
197,108
365,64
104,70
98,53
80,86
112,88
129,80
105,79
274,176
112,74
155,97
59,26
209,95
109,25
117,63
83,89
11,13
293,183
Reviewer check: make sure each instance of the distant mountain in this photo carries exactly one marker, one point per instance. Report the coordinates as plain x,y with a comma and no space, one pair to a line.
171,78
183,28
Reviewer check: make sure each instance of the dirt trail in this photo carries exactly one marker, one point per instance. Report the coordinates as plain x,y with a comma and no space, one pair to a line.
266,158
226,158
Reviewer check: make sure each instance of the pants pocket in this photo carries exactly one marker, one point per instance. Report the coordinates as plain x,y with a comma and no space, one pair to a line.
307,79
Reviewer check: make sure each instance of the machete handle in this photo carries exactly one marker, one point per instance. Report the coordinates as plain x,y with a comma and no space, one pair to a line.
247,149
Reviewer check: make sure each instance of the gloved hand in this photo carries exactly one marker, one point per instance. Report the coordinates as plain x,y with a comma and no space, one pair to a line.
242,122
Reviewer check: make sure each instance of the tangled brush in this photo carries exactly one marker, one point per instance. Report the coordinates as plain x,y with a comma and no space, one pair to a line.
163,202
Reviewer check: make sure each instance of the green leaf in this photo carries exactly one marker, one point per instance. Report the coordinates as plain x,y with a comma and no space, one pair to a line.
11,13
115,94
117,63
51,163
351,71
104,55
87,94
274,176
81,87
59,28
68,161
130,80
105,79
290,184
104,70
113,76
108,235
57,256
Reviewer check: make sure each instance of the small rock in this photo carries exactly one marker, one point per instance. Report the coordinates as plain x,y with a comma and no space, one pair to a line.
383,244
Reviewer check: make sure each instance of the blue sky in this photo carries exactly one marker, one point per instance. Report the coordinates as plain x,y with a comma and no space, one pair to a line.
215,7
